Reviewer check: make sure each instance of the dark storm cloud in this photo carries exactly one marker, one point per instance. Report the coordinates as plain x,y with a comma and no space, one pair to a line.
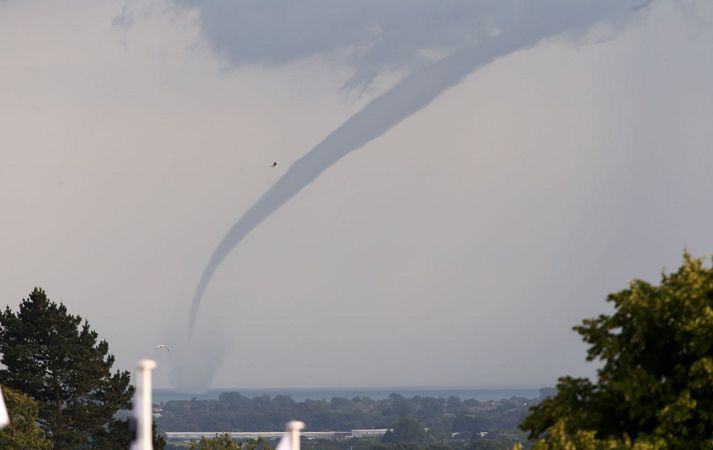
371,35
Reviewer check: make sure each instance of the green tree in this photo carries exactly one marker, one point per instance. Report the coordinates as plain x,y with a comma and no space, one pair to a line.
223,441
54,358
656,382
558,438
399,446
405,430
23,432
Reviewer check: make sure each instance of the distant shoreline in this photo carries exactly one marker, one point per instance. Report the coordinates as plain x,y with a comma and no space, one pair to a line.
299,394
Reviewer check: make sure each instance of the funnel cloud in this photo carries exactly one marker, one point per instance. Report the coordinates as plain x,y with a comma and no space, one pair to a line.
503,28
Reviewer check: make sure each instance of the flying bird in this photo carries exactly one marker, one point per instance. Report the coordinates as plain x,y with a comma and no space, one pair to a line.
274,164
163,347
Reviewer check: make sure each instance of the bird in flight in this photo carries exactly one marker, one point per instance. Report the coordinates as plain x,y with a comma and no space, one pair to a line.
163,347
274,164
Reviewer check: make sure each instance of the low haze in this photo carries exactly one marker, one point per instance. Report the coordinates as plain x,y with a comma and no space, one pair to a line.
485,173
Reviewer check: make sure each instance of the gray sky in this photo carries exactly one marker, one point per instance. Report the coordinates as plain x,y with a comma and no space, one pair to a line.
456,246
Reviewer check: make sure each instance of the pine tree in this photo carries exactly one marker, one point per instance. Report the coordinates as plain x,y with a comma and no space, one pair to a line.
56,359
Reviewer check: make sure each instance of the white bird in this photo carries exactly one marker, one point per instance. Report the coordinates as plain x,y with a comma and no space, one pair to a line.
163,347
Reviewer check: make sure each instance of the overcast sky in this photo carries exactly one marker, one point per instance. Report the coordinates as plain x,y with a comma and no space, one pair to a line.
510,163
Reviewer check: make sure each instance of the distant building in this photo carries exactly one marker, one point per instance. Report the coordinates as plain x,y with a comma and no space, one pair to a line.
371,432
341,435
189,436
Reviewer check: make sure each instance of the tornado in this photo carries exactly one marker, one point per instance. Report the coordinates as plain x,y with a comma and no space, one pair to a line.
407,97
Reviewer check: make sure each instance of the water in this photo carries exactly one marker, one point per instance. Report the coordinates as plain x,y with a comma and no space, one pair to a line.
300,395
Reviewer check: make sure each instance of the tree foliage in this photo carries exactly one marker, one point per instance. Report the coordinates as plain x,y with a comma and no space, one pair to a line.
23,432
56,359
223,441
406,430
656,382
451,422
558,438
233,411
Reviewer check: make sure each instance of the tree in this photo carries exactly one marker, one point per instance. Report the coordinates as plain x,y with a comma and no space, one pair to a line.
54,358
405,430
23,432
558,438
225,442
655,387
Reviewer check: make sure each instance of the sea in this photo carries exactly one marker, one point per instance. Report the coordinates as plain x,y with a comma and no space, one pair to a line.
300,395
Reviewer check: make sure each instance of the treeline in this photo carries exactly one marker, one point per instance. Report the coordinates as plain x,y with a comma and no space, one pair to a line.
233,411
